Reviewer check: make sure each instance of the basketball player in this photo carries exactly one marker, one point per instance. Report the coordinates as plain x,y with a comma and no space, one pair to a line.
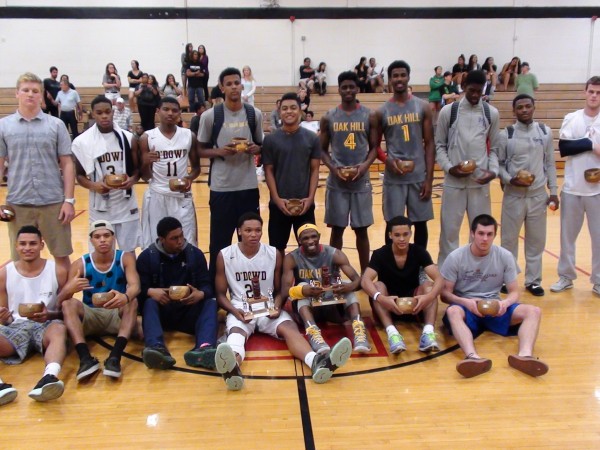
32,279
105,149
475,272
166,151
42,173
237,265
305,265
352,131
394,271
103,270
407,124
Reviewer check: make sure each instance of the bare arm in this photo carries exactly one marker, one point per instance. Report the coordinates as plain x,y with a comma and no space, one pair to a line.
133,288
146,157
341,260
6,316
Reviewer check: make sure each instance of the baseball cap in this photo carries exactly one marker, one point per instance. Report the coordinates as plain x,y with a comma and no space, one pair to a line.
120,100
101,225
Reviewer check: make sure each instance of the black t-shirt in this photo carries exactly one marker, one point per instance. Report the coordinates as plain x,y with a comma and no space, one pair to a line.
138,77
194,82
306,72
216,92
458,69
400,281
52,86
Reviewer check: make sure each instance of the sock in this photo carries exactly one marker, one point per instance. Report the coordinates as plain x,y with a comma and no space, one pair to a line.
391,330
357,318
428,329
52,369
1,382
120,344
308,324
309,358
205,344
82,350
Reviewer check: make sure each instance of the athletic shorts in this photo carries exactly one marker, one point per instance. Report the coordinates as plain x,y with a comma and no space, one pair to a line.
156,206
328,313
128,235
342,208
56,235
25,336
262,324
403,200
477,325
100,321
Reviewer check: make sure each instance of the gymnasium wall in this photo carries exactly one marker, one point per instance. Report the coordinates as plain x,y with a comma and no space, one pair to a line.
558,48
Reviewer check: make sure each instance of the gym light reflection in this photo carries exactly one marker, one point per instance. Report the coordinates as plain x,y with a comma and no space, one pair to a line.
152,420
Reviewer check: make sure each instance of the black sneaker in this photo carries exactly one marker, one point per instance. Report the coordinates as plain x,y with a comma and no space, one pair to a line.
157,357
48,388
503,289
87,367
7,393
201,357
324,365
112,367
535,289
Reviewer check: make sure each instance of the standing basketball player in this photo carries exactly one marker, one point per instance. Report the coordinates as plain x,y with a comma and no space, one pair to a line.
352,132
105,149
407,124
166,151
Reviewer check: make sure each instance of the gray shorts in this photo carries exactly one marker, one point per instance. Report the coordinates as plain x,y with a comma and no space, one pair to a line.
343,207
25,336
100,321
323,312
403,200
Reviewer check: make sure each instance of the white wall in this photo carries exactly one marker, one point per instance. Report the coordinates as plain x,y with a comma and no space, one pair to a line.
557,49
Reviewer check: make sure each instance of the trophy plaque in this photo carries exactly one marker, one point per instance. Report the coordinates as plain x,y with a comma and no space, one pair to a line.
258,305
327,284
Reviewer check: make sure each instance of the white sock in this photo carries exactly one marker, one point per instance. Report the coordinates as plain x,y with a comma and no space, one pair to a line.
391,330
309,358
428,329
52,369
1,381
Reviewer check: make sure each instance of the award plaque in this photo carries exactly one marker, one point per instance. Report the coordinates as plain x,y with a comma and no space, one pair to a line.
327,284
258,305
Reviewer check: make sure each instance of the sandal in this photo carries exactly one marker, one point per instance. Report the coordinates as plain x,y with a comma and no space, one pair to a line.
528,364
471,366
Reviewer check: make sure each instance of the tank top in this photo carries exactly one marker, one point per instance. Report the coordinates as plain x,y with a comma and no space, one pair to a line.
173,161
239,271
310,267
112,278
20,289
403,131
349,134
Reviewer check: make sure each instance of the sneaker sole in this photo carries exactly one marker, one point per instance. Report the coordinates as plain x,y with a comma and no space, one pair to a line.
50,391
234,383
225,362
89,372
112,373
528,365
397,350
8,395
361,348
340,353
322,350
156,360
470,368
205,359
322,375
561,290
430,349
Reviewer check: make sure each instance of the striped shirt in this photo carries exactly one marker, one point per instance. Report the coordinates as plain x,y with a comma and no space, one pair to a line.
32,148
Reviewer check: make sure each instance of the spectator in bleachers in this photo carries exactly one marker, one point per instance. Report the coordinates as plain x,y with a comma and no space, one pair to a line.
473,64
310,123
376,77
69,107
65,77
449,90
111,82
216,95
488,88
204,65
275,120
249,84
134,77
459,71
147,99
361,70
307,75
527,82
171,88
122,115
194,74
51,89
186,57
510,71
199,109
304,97
320,77
492,69
435,94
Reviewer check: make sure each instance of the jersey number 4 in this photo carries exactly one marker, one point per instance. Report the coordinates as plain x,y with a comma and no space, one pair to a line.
350,142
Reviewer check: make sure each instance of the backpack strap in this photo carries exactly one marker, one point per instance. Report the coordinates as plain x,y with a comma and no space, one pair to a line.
510,130
453,113
542,128
486,111
251,116
218,121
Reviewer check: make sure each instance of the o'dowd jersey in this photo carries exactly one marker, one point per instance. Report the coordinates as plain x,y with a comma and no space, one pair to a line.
173,161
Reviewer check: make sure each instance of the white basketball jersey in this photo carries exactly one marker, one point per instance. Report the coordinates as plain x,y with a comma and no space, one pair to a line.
173,161
240,270
20,289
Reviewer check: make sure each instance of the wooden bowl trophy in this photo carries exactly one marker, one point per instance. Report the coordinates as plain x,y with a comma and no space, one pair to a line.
467,167
99,299
348,172
265,306
525,177
176,293
326,284
591,176
115,180
177,185
9,212
294,206
241,144
27,310
488,307
405,166
406,305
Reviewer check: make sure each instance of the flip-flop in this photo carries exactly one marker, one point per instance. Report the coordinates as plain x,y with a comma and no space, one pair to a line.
528,364
471,367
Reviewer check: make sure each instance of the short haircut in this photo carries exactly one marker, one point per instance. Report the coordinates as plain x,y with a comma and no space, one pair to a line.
348,75
475,77
227,72
249,216
171,100
290,96
28,77
100,99
485,220
525,63
312,114
53,68
395,222
446,73
166,225
398,64
521,97
29,229
594,81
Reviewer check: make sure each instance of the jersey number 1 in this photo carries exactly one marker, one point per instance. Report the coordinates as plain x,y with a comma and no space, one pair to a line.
169,174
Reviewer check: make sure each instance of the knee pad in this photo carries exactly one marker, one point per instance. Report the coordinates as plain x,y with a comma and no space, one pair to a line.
236,342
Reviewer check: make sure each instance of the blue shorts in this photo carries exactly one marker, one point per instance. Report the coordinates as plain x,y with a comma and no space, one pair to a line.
499,325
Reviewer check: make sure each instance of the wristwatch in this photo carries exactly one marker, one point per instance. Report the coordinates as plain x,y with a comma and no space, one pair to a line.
70,200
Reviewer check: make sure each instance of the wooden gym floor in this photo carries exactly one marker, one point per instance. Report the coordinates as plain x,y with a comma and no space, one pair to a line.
376,401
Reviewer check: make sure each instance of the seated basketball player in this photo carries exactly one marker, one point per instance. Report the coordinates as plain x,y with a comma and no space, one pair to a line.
305,265
173,261
394,272
32,279
239,267
102,271
475,272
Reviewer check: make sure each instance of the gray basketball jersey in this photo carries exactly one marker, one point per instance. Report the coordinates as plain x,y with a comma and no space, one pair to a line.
349,134
309,267
403,131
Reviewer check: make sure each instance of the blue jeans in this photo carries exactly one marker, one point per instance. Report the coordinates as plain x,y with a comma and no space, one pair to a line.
193,93
199,319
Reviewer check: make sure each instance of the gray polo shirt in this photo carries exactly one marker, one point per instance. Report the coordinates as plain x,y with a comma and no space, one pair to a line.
32,149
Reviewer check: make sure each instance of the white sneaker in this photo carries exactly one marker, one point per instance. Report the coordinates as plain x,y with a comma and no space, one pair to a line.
562,284
260,172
